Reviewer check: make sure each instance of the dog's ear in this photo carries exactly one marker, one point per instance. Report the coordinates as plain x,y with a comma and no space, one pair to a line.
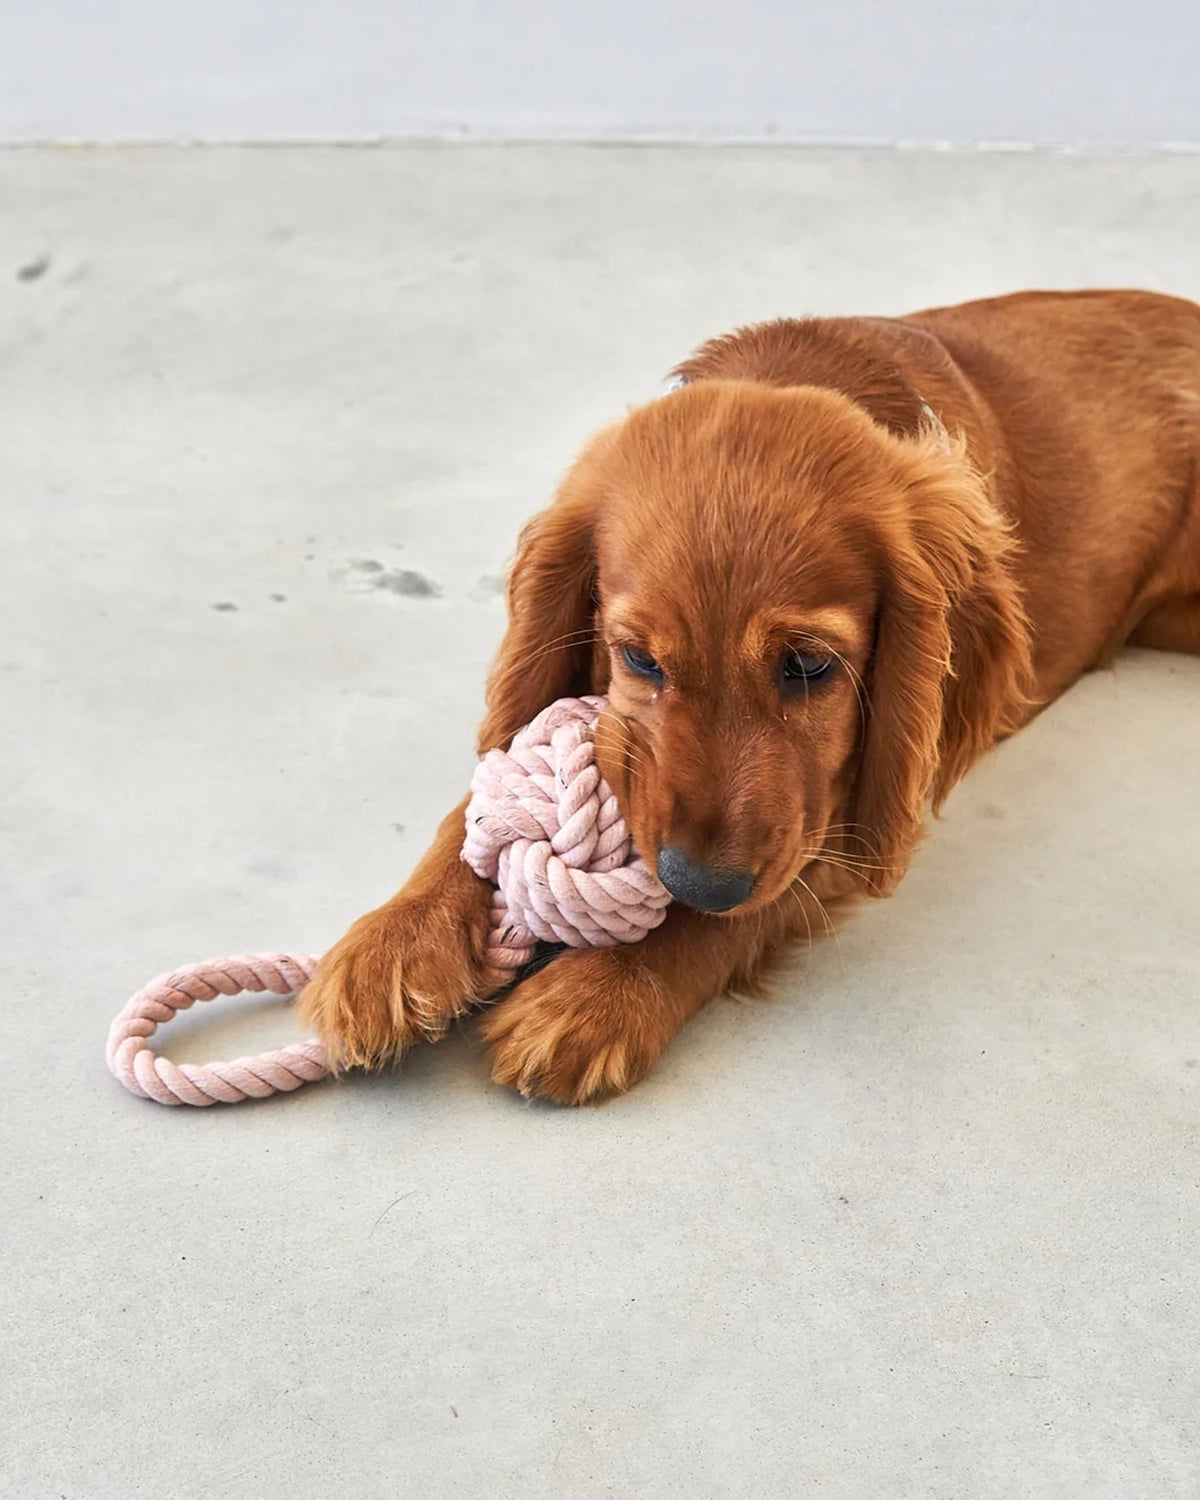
547,650
951,667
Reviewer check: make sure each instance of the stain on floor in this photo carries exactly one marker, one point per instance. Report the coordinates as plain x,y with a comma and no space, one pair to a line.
489,586
364,574
407,581
34,270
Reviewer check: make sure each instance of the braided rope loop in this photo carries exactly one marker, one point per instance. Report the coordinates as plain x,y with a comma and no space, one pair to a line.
146,1073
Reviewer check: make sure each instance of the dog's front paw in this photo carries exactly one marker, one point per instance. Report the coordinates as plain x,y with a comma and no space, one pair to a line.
401,975
590,1024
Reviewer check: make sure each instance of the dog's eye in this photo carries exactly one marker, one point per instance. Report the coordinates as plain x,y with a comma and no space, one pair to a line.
800,669
642,663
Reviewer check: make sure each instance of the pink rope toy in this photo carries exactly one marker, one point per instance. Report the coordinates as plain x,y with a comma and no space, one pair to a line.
542,825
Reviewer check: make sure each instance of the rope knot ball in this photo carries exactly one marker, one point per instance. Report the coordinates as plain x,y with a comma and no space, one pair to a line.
542,825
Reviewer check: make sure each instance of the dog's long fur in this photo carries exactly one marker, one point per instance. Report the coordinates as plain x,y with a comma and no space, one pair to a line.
961,510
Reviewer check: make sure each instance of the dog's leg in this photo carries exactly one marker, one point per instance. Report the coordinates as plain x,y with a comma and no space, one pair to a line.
1174,626
595,1020
404,971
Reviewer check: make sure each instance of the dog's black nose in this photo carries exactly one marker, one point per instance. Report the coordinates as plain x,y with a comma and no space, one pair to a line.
699,886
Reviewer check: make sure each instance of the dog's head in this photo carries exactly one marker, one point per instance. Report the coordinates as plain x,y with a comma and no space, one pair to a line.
803,622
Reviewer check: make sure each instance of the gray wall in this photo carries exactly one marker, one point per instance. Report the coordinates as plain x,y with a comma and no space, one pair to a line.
1064,71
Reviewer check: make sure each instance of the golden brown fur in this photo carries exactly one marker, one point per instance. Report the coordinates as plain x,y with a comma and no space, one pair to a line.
960,511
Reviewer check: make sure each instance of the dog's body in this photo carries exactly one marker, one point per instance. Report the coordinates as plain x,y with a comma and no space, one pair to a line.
816,582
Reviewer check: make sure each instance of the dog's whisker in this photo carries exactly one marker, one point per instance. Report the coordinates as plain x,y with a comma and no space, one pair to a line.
850,869
793,892
817,902
860,691
843,830
830,929
846,857
818,852
573,638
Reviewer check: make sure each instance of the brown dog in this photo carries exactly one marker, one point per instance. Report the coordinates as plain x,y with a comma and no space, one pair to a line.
816,582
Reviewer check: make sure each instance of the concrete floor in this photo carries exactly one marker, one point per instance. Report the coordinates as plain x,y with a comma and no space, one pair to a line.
925,1227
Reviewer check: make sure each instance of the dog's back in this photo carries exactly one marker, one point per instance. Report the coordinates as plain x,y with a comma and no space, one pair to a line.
1083,407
